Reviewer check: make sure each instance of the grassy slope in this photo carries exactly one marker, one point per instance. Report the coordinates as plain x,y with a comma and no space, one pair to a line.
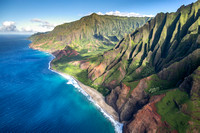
90,33
181,110
166,40
90,36
81,75
170,110
65,65
149,49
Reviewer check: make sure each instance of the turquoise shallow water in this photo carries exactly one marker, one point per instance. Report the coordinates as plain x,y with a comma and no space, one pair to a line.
35,99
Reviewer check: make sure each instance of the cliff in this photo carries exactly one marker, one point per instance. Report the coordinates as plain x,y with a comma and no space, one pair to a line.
153,60
151,76
90,33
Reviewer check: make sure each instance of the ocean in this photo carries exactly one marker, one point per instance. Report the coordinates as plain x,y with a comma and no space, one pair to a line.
36,99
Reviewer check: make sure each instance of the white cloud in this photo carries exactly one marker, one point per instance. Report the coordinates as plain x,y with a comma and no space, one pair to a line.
127,14
35,25
37,20
38,25
43,23
100,13
8,26
27,29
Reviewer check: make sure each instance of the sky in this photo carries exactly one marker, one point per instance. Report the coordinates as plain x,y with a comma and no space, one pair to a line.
31,16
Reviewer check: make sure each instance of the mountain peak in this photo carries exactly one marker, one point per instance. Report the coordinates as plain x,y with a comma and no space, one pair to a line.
103,30
94,14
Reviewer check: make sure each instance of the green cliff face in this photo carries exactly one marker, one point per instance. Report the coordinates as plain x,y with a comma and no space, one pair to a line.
88,34
161,54
160,60
163,42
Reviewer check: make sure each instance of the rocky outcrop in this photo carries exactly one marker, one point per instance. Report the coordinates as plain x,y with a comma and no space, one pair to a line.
69,52
160,43
194,87
136,101
191,84
128,105
183,68
147,119
97,72
159,55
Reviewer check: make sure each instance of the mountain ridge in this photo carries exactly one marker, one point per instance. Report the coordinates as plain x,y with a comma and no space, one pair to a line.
93,31
151,72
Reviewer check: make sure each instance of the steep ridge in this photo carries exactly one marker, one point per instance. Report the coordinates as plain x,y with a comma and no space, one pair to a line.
152,60
151,77
155,45
87,34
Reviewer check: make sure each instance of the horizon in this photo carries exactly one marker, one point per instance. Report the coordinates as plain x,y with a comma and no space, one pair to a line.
66,68
29,21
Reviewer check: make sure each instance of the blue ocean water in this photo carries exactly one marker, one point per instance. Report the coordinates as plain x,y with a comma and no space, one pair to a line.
35,99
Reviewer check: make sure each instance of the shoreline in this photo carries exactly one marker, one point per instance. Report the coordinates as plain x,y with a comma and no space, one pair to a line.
93,96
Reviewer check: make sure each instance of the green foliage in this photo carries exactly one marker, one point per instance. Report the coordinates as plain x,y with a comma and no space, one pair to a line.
90,32
113,74
99,80
83,77
146,71
80,75
132,85
153,90
156,85
170,110
96,60
103,90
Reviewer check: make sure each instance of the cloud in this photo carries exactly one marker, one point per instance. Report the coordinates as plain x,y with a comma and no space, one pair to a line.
38,25
27,29
33,26
127,14
8,26
43,23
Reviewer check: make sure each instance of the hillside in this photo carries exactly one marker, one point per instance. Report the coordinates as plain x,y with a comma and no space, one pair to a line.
90,33
151,77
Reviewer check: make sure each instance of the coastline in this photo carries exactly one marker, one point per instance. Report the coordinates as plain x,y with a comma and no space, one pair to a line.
93,96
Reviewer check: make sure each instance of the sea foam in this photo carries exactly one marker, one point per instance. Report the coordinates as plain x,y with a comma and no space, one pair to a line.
118,126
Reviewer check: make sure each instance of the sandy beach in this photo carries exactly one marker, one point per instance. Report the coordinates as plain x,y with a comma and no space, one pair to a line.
98,99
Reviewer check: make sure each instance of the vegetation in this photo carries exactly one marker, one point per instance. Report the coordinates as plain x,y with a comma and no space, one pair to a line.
163,45
180,108
89,36
170,110
156,85
90,33
162,54
80,75
132,85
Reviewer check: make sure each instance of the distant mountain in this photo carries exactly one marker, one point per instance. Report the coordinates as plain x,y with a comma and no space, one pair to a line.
158,61
87,34
151,77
